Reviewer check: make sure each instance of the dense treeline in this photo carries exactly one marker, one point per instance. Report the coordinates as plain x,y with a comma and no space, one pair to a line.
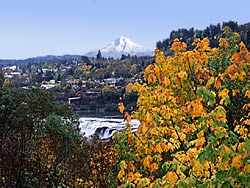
41,144
99,69
212,32
37,139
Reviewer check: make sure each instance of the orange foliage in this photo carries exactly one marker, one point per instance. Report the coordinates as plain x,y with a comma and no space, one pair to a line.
194,114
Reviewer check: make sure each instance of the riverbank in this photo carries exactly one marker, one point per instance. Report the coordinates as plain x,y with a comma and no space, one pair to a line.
95,114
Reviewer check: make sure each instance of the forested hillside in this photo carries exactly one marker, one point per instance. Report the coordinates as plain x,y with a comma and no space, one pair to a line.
212,32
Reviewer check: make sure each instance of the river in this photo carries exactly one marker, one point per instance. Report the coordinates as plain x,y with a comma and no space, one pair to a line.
104,127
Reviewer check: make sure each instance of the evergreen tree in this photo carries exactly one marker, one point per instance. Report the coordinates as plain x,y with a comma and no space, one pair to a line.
1,79
99,55
212,32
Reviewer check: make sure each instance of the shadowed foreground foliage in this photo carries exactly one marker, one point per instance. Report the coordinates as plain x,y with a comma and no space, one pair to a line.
37,139
41,144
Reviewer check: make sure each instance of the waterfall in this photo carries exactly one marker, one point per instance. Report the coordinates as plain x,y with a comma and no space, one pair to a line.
103,127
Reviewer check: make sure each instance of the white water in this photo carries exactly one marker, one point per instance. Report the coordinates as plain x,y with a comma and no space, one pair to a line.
103,127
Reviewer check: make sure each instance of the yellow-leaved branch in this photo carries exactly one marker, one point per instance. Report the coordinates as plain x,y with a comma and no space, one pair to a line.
193,109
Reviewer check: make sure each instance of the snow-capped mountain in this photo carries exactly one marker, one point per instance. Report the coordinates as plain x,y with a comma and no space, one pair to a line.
121,45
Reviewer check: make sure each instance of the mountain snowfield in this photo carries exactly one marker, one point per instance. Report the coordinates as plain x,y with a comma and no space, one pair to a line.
122,45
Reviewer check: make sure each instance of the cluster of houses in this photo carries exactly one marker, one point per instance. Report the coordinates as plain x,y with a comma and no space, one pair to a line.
11,71
14,72
82,94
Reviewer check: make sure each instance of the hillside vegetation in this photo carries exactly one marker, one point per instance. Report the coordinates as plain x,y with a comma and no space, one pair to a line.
212,32
195,118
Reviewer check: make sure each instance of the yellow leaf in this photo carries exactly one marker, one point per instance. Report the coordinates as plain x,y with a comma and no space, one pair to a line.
158,148
223,93
129,88
242,46
157,70
241,130
120,174
220,113
157,51
247,168
247,122
182,75
247,94
164,147
121,107
210,81
144,128
237,161
166,81
235,92
235,76
242,75
217,84
153,167
200,134
147,161
127,117
198,168
246,106
148,69
196,109
131,166
123,164
171,176
198,142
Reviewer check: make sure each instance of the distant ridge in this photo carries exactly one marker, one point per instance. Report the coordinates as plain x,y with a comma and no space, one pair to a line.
9,62
120,46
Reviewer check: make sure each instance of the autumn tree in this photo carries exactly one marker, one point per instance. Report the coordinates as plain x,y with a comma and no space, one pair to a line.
102,165
38,139
193,109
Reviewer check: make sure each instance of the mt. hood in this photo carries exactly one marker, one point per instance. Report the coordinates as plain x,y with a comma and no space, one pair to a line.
121,45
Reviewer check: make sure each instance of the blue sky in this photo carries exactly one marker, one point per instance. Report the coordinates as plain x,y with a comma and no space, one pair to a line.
30,28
